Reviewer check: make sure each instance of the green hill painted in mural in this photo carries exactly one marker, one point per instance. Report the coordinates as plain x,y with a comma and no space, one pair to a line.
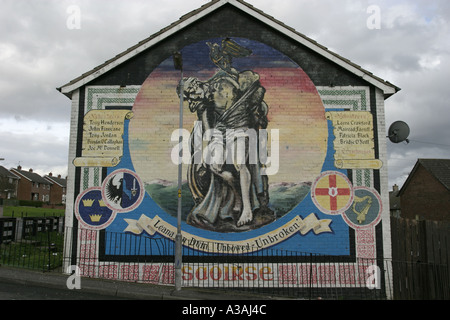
165,194
283,196
286,196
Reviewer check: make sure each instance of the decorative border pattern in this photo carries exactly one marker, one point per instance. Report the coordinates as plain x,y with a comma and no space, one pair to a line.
351,98
354,99
98,98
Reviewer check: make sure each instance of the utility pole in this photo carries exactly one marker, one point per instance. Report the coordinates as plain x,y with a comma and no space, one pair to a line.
178,64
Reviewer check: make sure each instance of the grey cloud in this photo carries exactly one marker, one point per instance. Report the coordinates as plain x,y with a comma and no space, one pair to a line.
39,53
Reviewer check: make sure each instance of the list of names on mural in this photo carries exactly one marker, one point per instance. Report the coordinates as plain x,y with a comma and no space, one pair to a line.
354,140
103,138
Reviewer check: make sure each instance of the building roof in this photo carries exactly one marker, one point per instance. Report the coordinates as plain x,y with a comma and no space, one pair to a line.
186,20
30,175
394,200
6,173
439,168
57,180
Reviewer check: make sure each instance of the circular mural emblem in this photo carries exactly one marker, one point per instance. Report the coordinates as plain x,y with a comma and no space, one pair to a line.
91,211
365,209
122,191
247,93
332,192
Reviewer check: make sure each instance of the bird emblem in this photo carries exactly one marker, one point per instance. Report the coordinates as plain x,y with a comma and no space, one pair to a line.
114,189
223,55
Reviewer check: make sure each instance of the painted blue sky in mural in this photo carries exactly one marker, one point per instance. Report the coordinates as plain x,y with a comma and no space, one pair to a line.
196,57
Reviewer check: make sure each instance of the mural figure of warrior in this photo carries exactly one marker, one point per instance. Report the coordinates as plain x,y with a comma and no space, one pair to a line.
229,195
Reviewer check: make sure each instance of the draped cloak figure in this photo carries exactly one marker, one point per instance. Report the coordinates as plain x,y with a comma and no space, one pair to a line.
227,186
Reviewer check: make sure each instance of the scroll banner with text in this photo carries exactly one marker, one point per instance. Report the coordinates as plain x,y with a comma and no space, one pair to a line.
297,224
103,138
354,140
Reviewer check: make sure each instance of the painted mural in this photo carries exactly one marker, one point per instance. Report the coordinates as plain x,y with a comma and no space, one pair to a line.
268,162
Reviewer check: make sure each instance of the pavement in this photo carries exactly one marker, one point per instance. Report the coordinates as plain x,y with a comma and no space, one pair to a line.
120,289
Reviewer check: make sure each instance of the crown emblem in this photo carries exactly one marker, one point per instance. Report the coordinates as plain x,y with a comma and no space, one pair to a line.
88,202
95,217
101,203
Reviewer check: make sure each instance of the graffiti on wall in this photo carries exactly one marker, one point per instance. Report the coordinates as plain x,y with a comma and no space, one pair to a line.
264,163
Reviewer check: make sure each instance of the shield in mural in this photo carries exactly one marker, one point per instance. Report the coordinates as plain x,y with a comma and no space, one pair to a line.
332,192
365,210
122,190
91,210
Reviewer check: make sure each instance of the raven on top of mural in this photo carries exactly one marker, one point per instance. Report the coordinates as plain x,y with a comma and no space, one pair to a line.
228,195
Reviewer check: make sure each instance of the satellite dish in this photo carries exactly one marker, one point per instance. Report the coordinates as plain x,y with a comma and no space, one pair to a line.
398,132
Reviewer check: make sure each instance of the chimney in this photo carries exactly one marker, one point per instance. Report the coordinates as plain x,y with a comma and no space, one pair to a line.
19,167
31,170
59,176
50,174
395,188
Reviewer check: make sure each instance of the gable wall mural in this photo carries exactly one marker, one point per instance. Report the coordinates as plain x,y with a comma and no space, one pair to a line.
271,163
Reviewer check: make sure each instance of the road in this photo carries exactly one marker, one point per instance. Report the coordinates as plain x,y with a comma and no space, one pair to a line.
18,291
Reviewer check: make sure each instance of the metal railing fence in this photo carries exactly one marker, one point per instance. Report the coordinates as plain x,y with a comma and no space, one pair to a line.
143,259
32,243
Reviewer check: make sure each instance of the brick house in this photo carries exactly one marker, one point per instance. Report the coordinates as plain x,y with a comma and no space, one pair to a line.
31,186
8,184
241,68
425,195
394,202
58,189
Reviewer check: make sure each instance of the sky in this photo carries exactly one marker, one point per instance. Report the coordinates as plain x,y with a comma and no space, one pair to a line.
47,43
